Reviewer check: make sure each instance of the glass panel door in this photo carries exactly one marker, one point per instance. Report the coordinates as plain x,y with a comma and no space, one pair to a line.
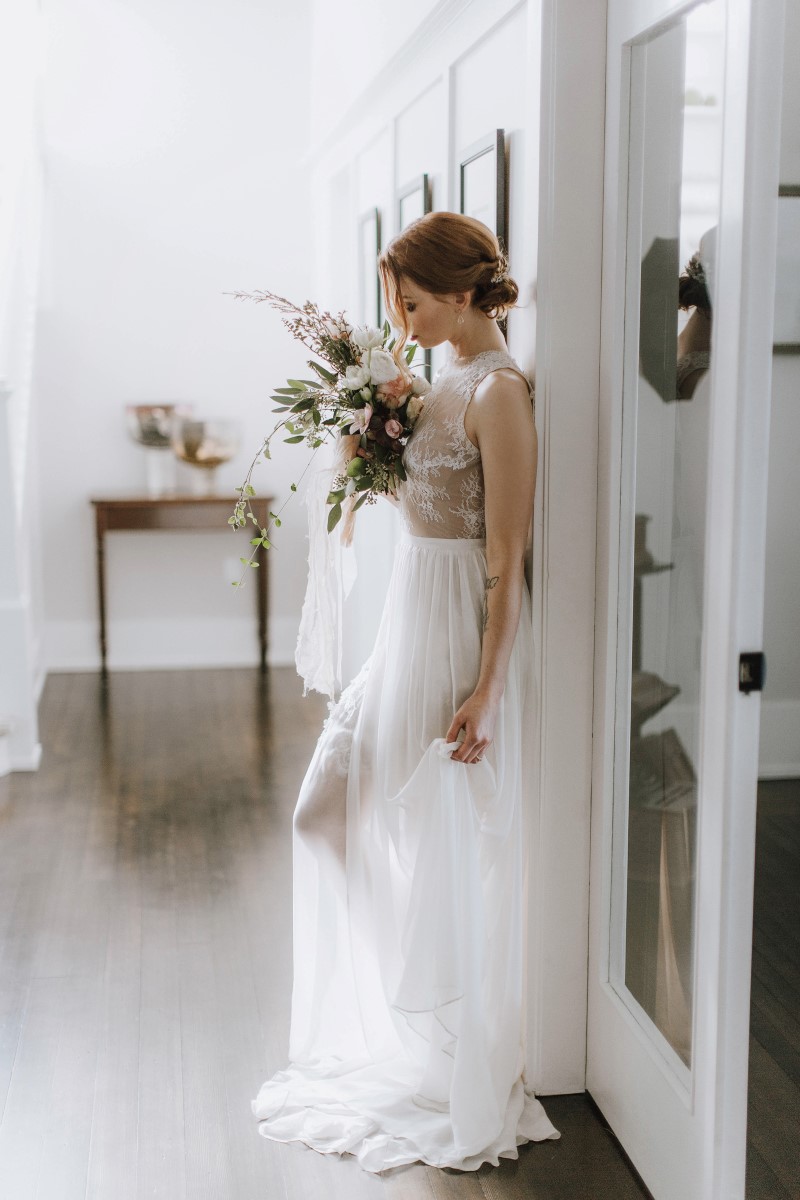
675,140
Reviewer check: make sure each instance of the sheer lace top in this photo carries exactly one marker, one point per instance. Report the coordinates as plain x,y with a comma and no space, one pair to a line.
695,360
443,495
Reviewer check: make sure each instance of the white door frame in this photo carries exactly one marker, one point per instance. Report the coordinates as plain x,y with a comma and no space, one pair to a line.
569,261
733,596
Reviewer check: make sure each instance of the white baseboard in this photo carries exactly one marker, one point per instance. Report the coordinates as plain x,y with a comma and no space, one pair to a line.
167,644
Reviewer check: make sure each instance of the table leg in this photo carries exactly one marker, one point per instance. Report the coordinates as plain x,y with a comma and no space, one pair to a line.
100,531
261,593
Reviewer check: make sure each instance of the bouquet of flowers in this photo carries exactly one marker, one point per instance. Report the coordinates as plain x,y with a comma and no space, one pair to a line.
360,390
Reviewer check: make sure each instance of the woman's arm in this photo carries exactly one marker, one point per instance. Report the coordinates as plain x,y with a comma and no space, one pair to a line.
502,419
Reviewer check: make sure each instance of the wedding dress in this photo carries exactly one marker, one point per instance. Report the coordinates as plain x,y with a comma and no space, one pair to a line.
407,1024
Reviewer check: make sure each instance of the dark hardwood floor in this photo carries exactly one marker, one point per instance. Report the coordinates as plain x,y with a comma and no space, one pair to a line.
145,958
773,1141
145,963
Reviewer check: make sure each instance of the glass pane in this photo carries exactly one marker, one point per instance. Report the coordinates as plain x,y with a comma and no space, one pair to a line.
673,201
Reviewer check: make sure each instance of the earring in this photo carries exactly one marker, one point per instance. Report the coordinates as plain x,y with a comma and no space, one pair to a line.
460,319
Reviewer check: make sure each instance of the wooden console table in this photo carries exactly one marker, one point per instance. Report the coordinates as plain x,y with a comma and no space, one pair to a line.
177,511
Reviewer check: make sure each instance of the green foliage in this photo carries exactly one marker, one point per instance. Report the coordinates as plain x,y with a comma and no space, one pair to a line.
325,376
334,516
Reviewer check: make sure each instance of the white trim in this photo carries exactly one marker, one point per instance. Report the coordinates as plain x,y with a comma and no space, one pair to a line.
167,644
413,69
409,66
735,569
569,282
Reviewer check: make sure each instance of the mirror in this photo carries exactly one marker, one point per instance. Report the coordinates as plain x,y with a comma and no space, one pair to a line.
673,186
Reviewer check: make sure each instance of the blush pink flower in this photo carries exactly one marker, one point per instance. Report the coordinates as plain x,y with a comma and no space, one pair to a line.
361,419
393,428
395,391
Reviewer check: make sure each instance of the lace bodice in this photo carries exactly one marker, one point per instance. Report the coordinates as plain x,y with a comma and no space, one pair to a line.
443,496
695,360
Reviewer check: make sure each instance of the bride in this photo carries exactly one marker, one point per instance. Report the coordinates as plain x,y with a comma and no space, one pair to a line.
411,830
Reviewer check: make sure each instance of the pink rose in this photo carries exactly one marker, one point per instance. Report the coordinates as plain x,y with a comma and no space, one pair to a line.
395,391
393,428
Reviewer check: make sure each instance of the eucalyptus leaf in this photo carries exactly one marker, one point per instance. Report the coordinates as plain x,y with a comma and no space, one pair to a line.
328,376
298,437
334,516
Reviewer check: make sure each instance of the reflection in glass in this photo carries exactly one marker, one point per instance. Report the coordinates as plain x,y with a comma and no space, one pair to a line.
673,182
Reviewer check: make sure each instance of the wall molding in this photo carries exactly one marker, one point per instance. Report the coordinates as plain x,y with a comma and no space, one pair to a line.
417,64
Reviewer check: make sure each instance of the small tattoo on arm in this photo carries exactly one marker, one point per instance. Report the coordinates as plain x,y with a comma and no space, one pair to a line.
490,583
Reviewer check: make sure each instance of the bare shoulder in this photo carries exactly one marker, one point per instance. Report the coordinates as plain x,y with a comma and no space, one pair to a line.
501,395
504,382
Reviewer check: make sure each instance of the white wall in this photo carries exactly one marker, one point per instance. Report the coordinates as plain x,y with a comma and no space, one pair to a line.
779,749
172,139
20,226
349,55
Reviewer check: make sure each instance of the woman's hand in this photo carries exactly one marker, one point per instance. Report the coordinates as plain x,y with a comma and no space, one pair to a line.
476,716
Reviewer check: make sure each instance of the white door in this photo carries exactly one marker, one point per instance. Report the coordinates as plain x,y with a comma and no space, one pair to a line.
692,129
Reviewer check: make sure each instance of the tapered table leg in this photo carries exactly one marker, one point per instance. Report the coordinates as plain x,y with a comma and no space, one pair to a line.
100,533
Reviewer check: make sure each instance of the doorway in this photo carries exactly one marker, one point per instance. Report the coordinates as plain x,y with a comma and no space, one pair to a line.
690,184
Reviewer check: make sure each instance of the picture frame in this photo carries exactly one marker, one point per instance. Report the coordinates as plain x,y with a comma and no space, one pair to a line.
369,283
787,277
482,183
413,200
483,189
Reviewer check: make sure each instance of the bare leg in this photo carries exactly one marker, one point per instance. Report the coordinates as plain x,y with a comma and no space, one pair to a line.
321,811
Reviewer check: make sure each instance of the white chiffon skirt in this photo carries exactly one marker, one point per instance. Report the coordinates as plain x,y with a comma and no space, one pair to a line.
407,1029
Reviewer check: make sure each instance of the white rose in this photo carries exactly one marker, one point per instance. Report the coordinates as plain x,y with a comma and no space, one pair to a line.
366,337
415,407
382,367
420,387
355,378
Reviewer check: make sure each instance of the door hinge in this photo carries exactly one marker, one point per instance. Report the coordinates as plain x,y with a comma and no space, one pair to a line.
752,671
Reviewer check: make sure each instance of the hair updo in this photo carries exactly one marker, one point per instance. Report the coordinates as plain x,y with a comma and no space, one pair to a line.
692,287
446,252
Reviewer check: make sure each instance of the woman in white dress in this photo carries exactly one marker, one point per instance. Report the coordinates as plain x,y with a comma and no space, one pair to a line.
411,829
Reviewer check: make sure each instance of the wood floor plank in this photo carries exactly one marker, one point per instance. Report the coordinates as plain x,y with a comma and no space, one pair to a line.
774,1073
23,1131
67,1112
774,1118
113,1153
761,1181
